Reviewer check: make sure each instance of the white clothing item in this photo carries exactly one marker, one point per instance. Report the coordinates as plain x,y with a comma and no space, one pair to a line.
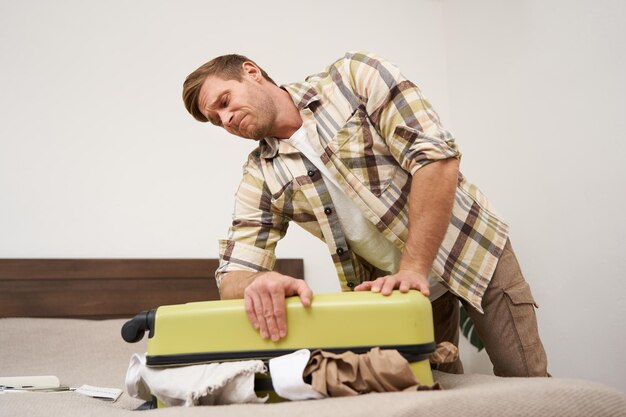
361,234
287,371
206,384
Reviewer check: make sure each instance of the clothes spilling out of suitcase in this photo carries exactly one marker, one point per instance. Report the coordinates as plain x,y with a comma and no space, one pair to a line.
207,353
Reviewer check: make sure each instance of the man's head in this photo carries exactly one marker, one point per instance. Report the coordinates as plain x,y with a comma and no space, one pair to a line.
229,89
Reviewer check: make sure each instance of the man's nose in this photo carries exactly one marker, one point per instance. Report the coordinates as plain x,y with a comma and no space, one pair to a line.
227,118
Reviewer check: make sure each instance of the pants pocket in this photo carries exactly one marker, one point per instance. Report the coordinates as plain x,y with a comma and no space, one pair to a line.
522,307
520,294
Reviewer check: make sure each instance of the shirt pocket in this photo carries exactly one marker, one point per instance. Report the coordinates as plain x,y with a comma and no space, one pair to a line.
289,202
365,153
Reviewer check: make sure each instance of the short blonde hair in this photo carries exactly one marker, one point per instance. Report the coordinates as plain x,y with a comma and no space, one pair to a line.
226,67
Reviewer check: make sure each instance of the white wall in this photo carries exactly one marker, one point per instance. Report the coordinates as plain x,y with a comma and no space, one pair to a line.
98,157
536,92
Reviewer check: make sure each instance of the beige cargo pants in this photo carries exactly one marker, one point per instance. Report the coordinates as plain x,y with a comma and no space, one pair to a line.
508,328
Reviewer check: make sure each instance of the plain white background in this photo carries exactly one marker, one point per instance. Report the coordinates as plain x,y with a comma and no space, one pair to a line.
98,157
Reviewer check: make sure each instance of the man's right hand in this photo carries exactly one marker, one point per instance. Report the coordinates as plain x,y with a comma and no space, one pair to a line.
265,302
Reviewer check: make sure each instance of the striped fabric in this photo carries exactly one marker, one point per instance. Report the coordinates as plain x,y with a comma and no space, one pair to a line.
373,129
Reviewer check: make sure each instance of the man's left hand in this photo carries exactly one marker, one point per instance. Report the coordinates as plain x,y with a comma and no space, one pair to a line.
404,280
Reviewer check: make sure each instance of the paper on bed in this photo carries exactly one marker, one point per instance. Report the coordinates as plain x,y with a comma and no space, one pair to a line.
108,394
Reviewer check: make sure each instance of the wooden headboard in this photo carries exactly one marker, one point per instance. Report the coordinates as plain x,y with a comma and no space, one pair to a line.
108,288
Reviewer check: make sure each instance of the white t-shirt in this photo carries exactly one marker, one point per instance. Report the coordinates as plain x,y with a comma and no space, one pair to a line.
361,234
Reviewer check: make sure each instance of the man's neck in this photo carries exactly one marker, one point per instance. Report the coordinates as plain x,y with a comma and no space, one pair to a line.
288,120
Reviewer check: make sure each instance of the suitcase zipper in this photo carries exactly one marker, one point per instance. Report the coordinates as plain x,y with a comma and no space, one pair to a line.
412,353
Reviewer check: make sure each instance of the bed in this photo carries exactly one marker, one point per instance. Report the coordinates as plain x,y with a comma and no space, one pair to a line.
63,318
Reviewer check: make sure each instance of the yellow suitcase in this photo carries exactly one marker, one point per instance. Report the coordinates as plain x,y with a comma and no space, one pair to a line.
217,331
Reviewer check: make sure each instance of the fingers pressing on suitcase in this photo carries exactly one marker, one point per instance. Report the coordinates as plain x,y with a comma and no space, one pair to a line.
387,283
364,286
268,296
268,314
251,313
265,302
300,288
255,313
276,316
403,280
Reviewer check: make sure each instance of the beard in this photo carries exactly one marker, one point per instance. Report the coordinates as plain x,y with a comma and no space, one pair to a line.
259,130
265,116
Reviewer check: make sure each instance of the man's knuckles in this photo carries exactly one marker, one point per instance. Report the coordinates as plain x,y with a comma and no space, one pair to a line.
265,286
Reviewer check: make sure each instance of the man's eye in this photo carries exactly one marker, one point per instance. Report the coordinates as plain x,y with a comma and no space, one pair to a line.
225,102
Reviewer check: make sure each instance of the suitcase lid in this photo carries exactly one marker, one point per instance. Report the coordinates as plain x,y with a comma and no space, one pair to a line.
219,330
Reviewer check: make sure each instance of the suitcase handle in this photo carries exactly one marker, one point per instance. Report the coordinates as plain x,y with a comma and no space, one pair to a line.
134,329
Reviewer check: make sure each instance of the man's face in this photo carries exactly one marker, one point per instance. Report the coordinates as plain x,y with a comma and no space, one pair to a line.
243,107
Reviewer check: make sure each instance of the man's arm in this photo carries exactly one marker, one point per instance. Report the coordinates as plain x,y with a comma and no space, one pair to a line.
416,139
264,296
256,229
432,194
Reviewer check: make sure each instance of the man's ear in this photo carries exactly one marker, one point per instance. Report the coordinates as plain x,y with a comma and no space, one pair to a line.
252,71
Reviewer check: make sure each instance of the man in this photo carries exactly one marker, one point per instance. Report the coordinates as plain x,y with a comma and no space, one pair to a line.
358,157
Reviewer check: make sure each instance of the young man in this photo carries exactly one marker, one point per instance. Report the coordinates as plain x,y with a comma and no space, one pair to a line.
358,157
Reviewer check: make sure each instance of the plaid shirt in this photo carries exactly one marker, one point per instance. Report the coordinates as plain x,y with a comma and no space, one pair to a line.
373,129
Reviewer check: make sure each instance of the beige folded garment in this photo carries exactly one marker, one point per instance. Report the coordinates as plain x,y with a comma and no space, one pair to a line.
346,374
445,352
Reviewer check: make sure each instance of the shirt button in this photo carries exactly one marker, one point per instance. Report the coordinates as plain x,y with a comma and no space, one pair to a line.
310,173
340,251
350,284
328,210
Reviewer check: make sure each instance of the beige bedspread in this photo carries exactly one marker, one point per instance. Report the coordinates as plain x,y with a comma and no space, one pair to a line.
92,352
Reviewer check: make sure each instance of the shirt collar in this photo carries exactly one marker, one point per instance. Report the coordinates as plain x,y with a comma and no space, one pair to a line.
303,95
270,147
